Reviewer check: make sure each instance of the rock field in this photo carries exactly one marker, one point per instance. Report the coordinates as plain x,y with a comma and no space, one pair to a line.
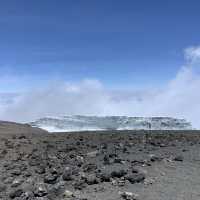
130,165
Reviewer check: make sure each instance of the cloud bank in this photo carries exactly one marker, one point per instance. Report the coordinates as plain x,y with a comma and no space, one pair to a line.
180,98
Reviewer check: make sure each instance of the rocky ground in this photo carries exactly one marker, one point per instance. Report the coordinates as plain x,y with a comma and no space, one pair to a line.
114,165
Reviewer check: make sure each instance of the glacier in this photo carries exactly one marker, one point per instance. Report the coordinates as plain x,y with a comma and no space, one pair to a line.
97,123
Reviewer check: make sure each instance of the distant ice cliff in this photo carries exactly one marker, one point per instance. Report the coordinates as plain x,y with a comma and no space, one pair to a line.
91,123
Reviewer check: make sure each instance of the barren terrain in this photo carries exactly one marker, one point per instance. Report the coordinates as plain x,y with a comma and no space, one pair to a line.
114,165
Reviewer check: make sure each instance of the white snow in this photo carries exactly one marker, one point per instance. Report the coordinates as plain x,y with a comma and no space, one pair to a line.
92,123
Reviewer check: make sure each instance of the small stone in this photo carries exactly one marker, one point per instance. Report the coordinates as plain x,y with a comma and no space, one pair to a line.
104,146
155,158
135,178
149,181
2,187
118,174
135,171
22,137
106,160
118,160
16,172
91,180
50,178
54,171
56,189
114,182
17,182
178,158
40,170
40,190
92,154
105,177
79,184
27,195
9,180
128,195
16,193
89,167
67,174
79,161
68,194
121,182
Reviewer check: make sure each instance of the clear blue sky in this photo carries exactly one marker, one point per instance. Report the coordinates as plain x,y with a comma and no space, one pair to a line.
122,43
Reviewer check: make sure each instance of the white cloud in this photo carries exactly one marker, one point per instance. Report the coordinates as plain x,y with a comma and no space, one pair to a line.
192,54
180,98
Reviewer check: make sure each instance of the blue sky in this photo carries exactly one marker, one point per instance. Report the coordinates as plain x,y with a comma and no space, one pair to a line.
124,44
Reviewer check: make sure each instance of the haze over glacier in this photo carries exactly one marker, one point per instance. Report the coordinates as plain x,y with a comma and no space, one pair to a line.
179,99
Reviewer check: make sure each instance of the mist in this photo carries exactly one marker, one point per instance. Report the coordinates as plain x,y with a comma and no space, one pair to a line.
179,98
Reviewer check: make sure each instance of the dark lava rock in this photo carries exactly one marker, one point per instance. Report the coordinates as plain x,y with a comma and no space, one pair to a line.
91,179
118,160
67,174
178,158
89,167
2,187
79,184
135,171
105,177
155,158
56,190
4,152
104,146
125,150
17,182
106,160
135,178
113,155
50,178
27,196
34,162
22,137
54,170
40,190
15,193
128,196
16,172
40,170
118,174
